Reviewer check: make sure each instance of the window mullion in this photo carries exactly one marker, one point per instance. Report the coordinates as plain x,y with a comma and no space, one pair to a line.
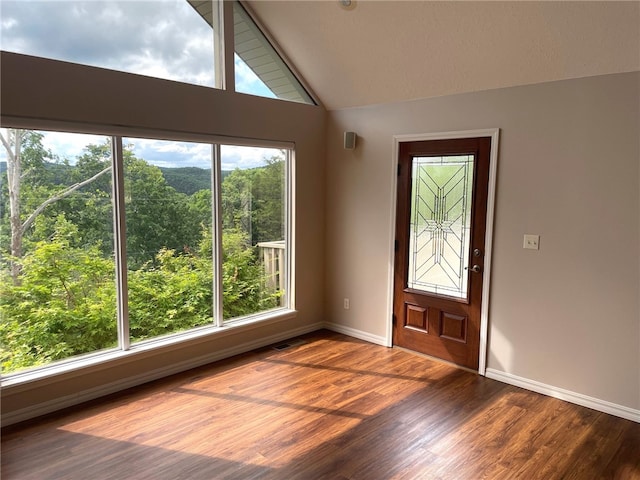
120,244
217,14
228,47
289,301
216,230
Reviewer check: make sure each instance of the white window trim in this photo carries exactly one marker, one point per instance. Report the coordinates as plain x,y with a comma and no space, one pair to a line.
216,230
219,327
120,242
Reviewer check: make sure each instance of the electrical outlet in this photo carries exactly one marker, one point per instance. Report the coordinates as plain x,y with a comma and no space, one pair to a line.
531,242
346,304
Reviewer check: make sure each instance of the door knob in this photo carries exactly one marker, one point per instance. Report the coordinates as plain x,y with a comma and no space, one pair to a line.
474,269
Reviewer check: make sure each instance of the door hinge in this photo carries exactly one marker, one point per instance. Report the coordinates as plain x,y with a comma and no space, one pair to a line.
396,245
399,168
394,320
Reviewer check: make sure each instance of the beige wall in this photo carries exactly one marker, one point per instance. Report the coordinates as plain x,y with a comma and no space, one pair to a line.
57,91
567,315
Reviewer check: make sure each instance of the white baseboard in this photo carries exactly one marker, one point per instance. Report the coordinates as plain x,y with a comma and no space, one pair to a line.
102,390
567,395
352,332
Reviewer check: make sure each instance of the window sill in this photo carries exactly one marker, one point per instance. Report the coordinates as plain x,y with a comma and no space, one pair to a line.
110,358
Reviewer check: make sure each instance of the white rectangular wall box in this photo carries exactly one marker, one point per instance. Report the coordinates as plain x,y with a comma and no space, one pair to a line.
531,242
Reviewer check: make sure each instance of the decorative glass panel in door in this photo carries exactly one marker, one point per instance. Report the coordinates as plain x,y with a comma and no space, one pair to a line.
440,224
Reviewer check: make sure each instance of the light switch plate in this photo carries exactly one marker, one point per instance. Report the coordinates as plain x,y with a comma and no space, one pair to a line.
531,241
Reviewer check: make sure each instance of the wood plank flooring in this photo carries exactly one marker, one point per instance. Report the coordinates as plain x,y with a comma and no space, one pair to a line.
331,408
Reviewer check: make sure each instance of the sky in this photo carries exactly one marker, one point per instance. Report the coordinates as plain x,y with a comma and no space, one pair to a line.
162,153
161,38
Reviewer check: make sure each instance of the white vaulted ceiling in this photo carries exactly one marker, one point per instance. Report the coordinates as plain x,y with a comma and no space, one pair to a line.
390,51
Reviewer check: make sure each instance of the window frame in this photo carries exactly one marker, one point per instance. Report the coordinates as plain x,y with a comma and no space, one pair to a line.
125,350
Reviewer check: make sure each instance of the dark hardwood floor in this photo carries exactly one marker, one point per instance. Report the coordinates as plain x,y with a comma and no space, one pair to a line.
331,408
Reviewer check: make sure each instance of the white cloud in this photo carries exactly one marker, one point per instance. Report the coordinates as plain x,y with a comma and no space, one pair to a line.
162,153
70,145
8,23
64,146
245,157
166,153
163,38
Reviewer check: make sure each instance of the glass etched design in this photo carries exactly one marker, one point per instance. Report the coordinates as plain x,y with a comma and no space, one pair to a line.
440,224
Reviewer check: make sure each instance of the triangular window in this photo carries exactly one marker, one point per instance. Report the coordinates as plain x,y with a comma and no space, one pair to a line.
259,68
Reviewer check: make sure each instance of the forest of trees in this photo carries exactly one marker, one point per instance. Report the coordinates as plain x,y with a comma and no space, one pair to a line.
57,285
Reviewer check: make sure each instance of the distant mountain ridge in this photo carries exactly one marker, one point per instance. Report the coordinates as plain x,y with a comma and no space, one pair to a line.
187,180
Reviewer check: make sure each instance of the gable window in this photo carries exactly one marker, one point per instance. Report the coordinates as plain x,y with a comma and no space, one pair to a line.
259,69
180,40
127,240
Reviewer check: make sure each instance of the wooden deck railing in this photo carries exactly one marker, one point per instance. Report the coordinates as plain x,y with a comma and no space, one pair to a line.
273,259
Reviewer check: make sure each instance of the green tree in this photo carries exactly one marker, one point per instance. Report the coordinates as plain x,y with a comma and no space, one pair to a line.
25,158
91,208
199,205
157,216
174,295
243,279
64,305
253,202
236,200
268,202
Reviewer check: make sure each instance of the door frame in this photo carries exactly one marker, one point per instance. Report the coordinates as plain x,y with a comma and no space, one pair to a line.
494,133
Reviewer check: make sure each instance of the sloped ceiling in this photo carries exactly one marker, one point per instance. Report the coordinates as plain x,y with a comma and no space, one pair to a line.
390,51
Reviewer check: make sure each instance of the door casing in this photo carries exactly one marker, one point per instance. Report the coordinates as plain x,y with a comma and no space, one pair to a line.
494,133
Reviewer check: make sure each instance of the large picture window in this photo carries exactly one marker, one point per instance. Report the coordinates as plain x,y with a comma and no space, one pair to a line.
70,199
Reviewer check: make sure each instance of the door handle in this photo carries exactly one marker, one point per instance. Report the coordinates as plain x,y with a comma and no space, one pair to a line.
474,269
